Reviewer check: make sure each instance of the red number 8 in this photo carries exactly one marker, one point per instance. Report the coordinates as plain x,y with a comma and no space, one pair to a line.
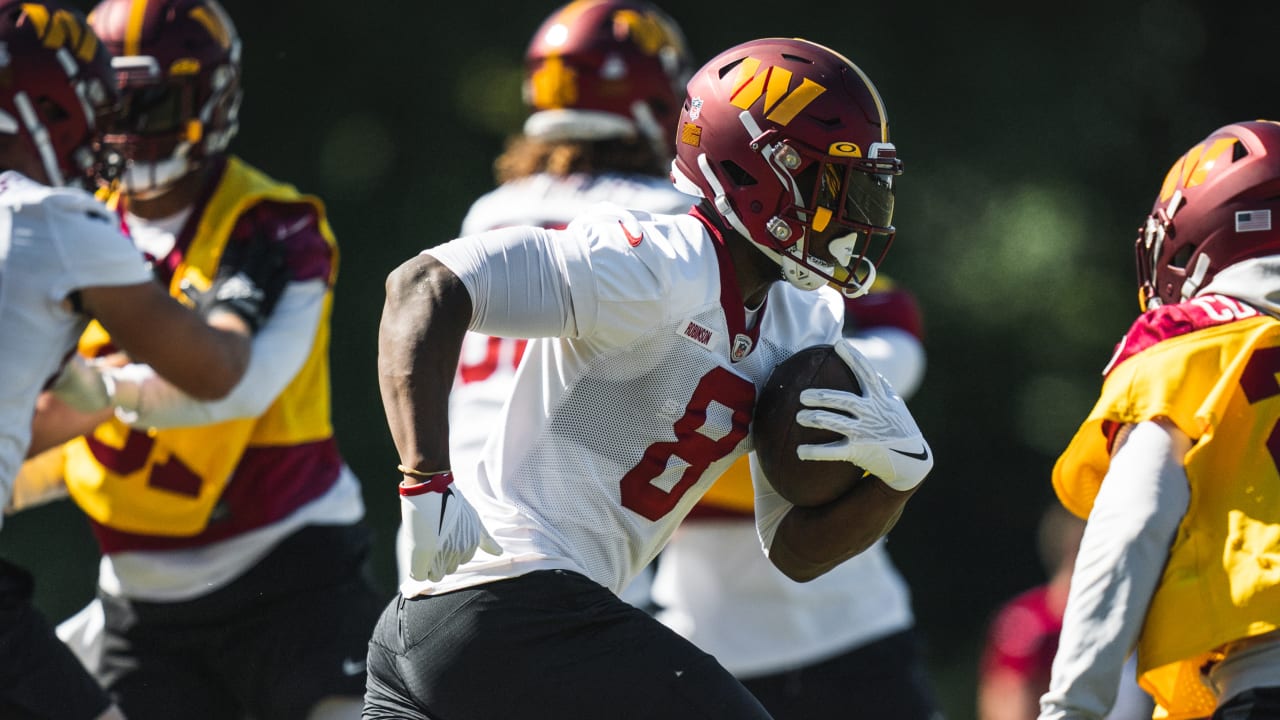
697,450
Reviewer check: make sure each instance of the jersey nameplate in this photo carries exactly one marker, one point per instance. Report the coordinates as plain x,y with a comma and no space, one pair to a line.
698,334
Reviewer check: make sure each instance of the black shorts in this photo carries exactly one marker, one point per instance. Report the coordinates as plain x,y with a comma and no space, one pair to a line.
882,679
291,631
39,676
550,644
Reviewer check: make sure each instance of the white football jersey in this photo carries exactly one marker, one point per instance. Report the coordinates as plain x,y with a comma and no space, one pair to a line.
53,241
487,366
616,428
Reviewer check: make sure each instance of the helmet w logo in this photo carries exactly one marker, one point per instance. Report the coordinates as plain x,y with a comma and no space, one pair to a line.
61,29
1192,168
781,102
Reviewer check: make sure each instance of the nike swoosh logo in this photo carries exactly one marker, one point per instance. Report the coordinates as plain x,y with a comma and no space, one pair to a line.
632,240
352,667
444,503
922,456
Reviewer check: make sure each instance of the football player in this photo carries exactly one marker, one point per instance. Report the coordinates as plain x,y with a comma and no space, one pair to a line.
815,649
649,337
603,84
1175,467
64,261
228,529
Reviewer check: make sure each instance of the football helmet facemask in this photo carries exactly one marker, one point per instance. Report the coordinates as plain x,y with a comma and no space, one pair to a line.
177,64
789,142
56,88
601,69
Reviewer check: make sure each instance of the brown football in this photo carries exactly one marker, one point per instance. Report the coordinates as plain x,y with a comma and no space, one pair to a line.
776,434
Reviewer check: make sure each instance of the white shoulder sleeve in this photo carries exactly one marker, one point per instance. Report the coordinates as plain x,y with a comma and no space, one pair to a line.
145,400
770,507
524,282
94,251
1143,499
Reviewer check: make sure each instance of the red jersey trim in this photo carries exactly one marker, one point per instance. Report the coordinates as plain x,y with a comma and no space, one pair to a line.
1171,321
735,313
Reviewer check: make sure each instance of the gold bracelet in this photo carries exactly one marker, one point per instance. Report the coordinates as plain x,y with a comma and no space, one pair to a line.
406,470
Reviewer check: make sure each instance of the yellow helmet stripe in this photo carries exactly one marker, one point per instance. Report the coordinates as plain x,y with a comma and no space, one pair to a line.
214,25
133,31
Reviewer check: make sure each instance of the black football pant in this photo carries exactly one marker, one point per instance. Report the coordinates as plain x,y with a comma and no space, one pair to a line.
548,645
39,676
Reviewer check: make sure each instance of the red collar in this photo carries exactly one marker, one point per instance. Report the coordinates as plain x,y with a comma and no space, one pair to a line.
742,341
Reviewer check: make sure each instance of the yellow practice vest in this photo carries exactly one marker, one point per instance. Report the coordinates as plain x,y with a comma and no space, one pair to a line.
167,482
1215,377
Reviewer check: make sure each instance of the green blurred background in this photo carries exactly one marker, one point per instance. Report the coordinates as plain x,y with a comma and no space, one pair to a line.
1035,136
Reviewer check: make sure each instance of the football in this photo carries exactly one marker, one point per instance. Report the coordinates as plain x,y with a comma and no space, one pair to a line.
776,434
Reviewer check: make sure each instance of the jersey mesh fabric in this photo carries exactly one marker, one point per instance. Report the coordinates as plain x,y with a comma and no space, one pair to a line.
611,388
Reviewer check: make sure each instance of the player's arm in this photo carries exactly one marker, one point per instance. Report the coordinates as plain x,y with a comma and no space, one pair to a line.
507,282
204,354
280,264
1126,543
145,399
510,283
204,359
424,318
812,540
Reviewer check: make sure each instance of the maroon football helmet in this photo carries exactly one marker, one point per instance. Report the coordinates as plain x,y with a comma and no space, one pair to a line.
789,142
177,65
55,86
1215,208
599,69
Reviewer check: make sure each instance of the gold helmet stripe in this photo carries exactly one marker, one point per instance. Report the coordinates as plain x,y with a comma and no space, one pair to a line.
217,29
133,31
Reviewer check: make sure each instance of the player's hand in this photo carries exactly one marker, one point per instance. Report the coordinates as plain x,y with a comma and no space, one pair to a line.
82,386
250,278
880,436
439,530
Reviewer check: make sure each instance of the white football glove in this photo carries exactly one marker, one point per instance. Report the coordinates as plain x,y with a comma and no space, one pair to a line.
439,530
82,385
880,436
